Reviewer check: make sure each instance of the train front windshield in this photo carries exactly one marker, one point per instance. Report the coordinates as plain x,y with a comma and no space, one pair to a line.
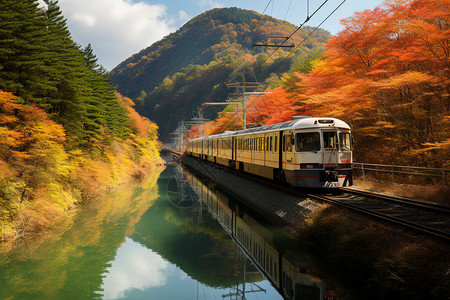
345,142
310,141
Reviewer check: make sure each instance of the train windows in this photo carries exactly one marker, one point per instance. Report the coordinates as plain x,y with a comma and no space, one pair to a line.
330,139
345,141
270,144
276,144
308,141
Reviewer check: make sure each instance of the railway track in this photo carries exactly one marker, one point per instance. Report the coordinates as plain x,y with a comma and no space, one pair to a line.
425,217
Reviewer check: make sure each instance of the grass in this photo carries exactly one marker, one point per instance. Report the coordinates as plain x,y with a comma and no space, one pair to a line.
432,193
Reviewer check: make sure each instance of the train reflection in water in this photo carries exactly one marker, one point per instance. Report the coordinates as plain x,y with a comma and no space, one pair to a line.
292,280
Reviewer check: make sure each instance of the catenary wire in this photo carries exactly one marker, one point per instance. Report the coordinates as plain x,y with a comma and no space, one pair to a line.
298,28
289,7
317,27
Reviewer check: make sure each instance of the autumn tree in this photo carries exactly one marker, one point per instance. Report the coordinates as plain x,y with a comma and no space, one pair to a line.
387,74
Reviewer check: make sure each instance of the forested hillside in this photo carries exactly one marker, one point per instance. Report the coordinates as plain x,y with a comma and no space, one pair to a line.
386,74
65,134
172,77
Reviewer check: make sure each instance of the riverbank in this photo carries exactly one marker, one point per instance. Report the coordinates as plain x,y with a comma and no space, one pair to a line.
36,209
378,260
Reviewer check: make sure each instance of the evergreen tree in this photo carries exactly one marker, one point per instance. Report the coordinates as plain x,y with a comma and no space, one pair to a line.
24,56
90,58
40,63
66,103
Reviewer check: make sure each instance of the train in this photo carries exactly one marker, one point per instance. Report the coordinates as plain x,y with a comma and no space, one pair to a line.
307,152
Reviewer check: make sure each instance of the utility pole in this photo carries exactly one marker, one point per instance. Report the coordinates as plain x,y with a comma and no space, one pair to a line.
242,89
199,120
178,136
181,130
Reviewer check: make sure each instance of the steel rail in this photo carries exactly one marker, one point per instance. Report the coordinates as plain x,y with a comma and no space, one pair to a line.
412,225
441,208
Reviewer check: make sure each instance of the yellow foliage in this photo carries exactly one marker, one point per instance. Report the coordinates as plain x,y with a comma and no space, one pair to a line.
41,180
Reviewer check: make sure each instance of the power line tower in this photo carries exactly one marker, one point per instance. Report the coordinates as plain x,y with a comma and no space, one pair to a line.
183,126
241,91
178,136
198,120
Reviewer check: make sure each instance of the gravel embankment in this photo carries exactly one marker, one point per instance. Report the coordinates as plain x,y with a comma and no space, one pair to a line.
277,207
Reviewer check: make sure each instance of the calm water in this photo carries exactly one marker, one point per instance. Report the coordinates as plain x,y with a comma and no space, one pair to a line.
156,241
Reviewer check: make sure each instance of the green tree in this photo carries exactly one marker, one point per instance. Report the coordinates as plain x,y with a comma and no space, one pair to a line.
24,57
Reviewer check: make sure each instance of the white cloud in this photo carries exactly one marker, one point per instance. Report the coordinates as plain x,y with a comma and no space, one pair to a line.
85,20
116,28
208,4
135,267
183,16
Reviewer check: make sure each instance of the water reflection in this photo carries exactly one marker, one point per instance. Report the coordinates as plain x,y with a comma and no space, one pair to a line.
135,267
267,248
69,262
158,241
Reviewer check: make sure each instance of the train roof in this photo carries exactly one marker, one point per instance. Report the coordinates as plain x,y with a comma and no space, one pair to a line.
298,122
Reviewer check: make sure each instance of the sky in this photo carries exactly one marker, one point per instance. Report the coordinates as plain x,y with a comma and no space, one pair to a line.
117,29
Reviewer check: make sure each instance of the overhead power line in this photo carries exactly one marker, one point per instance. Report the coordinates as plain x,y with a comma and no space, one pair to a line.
298,28
315,29
248,36
289,7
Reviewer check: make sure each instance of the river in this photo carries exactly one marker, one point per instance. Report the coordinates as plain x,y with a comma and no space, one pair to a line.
173,237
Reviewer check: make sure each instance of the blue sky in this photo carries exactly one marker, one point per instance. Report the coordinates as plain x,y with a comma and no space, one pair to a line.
118,29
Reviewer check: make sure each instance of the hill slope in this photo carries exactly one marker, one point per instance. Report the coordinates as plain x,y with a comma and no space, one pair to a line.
192,65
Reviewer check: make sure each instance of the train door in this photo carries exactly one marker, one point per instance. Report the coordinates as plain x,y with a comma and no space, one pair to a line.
280,151
287,149
233,148
330,147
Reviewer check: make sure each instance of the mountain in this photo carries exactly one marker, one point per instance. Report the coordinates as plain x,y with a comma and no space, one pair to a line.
186,68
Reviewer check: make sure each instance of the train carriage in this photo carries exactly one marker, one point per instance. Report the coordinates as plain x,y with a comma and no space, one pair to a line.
305,151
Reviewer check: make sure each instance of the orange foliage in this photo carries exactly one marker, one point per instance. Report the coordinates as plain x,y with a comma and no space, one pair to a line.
387,75
274,107
193,132
142,126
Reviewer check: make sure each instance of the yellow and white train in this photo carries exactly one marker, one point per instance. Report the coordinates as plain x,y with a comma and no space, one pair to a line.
305,151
